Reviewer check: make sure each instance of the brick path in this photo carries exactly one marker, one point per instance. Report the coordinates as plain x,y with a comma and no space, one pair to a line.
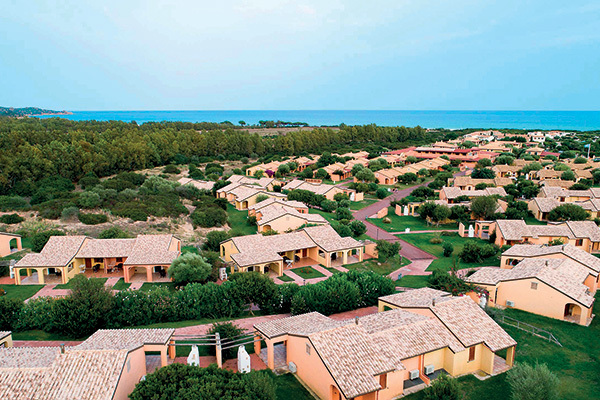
50,291
417,267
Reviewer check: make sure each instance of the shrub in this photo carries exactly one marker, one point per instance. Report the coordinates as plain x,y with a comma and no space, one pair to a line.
89,199
39,240
227,332
92,219
358,228
213,240
443,388
113,233
329,205
387,249
9,313
435,240
386,220
474,252
529,382
261,197
171,169
448,282
381,193
448,249
209,217
12,203
11,219
69,213
343,213
188,268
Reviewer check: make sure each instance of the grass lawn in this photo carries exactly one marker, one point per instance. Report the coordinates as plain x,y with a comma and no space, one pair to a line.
20,292
383,268
121,285
400,223
17,255
202,321
413,281
189,249
307,272
331,269
359,205
152,285
285,278
288,387
328,216
421,240
69,284
237,221
576,364
530,220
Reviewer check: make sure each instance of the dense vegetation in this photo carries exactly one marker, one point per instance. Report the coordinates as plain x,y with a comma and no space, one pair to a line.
22,112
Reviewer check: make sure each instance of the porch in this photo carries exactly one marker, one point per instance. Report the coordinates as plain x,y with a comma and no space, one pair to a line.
145,273
47,277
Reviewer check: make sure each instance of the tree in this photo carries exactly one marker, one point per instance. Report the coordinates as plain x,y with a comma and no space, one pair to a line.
283,169
474,252
259,173
504,160
448,249
113,232
242,123
517,210
568,212
365,175
89,200
443,388
407,178
567,176
423,192
186,382
381,193
440,213
580,160
356,168
321,174
483,173
339,197
529,382
387,249
484,207
358,228
481,186
329,205
227,332
343,213
484,162
425,210
39,240
261,197
188,268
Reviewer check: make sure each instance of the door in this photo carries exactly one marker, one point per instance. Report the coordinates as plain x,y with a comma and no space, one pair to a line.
88,263
304,253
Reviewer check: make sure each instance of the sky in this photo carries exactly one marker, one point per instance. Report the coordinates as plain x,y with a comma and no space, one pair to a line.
300,55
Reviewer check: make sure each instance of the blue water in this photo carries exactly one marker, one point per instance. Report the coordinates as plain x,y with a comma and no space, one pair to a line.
577,120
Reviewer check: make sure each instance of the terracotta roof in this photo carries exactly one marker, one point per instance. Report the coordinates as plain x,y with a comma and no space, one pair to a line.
58,252
317,188
467,180
518,229
272,200
328,239
546,204
454,192
566,250
246,180
100,248
277,211
27,357
300,325
416,298
125,339
564,275
4,334
152,250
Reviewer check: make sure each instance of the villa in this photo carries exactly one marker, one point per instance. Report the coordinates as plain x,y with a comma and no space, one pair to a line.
329,191
107,366
243,195
264,183
540,207
309,246
380,356
283,218
468,183
583,234
9,243
145,258
451,193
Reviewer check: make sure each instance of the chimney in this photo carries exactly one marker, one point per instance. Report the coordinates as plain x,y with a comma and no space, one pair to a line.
433,302
62,348
546,263
356,320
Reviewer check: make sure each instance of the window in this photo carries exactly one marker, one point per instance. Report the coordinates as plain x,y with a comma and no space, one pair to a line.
472,353
534,285
383,381
308,348
579,242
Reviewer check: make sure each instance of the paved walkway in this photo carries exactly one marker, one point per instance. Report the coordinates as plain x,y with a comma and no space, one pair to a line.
50,291
431,231
417,267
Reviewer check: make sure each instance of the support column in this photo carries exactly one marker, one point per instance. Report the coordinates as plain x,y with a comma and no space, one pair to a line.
163,357
17,276
270,355
64,274
126,277
360,254
219,351
510,355
149,274
257,344
327,260
40,275
345,257
172,349
29,272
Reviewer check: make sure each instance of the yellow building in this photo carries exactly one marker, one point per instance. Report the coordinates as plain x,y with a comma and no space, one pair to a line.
274,253
243,195
379,356
329,191
6,339
284,218
63,257
107,366
9,243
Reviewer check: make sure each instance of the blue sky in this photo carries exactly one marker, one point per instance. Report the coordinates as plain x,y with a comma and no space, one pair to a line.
268,54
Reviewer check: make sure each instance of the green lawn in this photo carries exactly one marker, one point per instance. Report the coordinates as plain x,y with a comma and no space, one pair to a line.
413,281
530,220
383,268
358,205
69,284
288,388
328,216
121,285
400,223
307,272
20,292
202,321
147,286
576,364
285,278
237,221
331,269
421,240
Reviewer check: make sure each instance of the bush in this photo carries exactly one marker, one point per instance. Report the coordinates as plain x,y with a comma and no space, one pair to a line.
343,213
448,282
568,212
387,249
474,252
89,199
381,193
189,268
39,240
532,382
358,228
213,240
10,310
435,240
12,203
113,233
227,332
69,213
92,219
329,205
261,197
443,388
11,219
184,382
448,249
209,217
171,169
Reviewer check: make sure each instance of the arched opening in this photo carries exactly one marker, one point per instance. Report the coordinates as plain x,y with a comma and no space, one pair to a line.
14,245
266,228
572,312
244,204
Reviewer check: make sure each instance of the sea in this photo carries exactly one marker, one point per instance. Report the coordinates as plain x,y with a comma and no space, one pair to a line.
546,120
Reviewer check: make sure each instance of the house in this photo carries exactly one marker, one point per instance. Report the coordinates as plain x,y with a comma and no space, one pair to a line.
106,366
267,169
540,207
381,355
519,252
329,191
567,195
537,137
202,185
283,218
242,195
452,193
390,176
553,287
9,243
6,339
583,234
299,206
264,183
534,151
507,171
468,183
144,258
308,246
